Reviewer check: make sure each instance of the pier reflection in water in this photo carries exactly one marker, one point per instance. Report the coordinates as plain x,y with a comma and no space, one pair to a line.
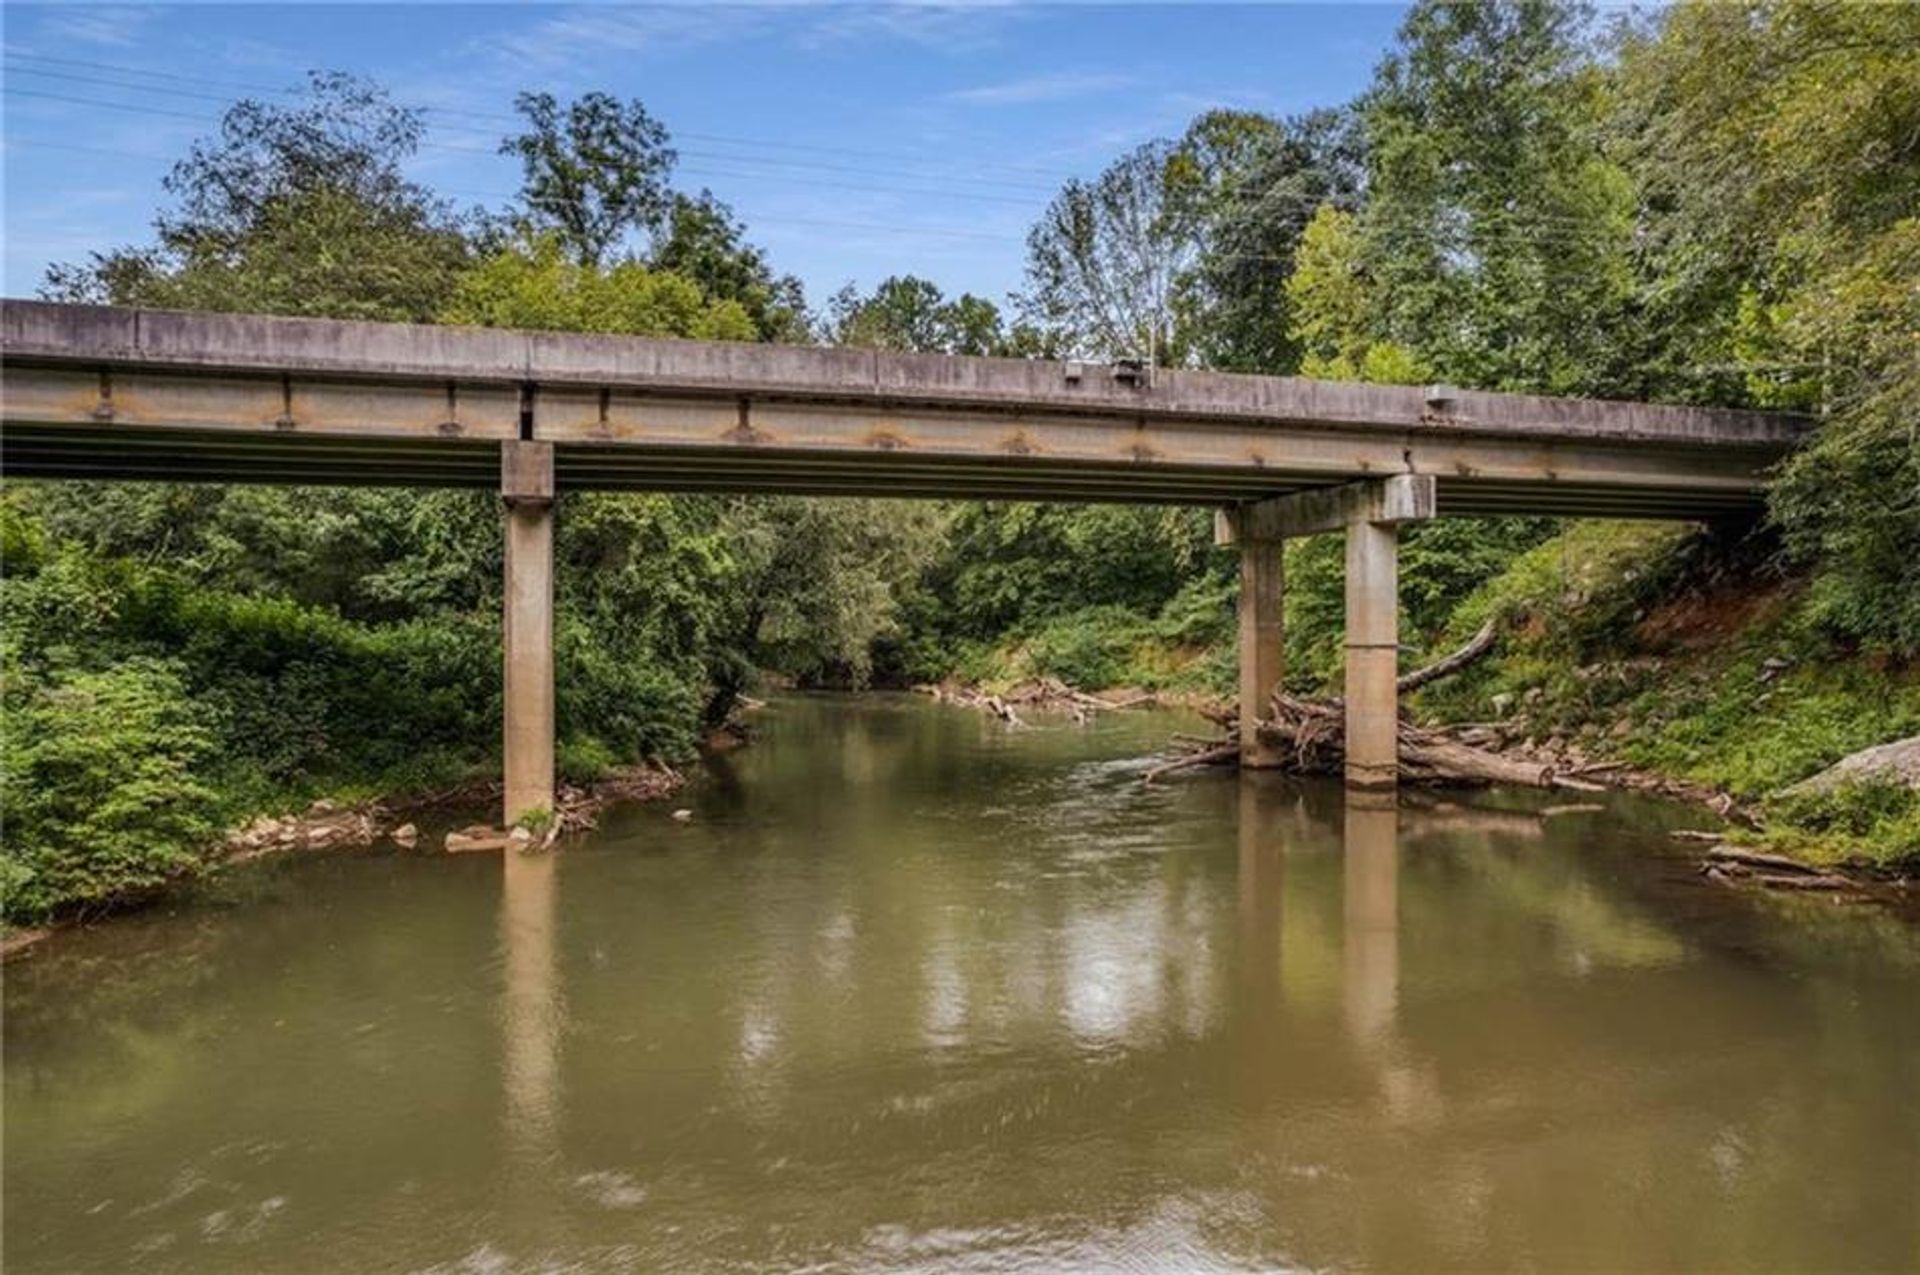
912,991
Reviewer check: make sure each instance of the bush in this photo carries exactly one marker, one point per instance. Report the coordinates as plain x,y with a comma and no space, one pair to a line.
1874,819
1091,648
103,795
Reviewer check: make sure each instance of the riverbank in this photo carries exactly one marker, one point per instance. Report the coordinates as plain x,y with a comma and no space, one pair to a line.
329,824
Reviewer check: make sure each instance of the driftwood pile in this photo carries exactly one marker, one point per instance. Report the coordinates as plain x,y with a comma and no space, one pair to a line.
1042,694
1308,736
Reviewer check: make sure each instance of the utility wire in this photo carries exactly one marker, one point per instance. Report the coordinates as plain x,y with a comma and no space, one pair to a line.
1538,226
1048,175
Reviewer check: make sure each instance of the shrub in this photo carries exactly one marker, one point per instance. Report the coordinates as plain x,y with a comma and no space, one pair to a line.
103,795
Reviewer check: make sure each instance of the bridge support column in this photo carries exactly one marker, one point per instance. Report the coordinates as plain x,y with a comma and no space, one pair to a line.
1262,644
526,484
1370,513
1373,655
1262,635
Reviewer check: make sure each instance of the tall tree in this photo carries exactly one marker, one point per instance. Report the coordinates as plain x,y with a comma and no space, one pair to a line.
292,209
705,243
1777,143
1498,230
593,172
1105,260
1259,181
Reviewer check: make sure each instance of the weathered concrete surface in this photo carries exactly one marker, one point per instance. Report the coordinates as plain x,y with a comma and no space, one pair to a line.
526,483
158,338
1373,655
1262,645
1389,501
102,392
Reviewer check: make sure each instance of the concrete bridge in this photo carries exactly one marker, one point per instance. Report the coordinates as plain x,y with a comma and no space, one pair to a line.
111,393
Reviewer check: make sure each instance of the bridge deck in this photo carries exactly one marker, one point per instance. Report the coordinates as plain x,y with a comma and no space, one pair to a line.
119,393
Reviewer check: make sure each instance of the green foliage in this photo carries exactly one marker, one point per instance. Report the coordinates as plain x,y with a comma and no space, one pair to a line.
905,312
1336,314
1497,234
536,285
706,245
1092,647
592,173
102,792
536,821
1780,144
1648,642
299,209
1259,182
1876,820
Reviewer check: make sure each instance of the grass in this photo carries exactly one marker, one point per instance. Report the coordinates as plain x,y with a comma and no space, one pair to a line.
1649,644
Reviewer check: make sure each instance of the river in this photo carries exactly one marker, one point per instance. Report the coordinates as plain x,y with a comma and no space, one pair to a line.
913,991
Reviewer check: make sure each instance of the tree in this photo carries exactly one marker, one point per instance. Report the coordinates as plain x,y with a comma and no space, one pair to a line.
706,244
1777,145
906,312
1105,260
297,209
1335,311
593,172
534,285
1496,229
1259,182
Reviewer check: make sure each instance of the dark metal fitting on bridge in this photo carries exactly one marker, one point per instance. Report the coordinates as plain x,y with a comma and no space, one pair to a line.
1133,372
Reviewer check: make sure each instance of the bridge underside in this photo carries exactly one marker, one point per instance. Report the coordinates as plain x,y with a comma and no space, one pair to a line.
177,453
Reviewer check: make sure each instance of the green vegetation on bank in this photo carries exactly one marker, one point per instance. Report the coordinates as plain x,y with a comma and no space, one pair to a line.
1715,204
1696,657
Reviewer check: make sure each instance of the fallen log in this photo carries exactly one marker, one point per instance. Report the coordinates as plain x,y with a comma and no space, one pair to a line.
1757,859
1217,756
1476,648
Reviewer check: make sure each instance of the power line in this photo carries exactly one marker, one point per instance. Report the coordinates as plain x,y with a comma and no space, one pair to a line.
505,117
775,161
833,223
1538,227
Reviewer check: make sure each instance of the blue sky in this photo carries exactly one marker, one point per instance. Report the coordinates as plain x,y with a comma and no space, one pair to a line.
855,141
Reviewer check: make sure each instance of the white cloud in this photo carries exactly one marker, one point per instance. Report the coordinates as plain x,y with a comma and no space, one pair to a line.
578,33
948,26
117,26
1055,86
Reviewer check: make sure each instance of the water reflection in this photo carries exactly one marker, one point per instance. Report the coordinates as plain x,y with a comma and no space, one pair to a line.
1371,836
530,1011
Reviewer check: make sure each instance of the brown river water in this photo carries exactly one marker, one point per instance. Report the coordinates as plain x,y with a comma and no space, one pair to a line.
911,991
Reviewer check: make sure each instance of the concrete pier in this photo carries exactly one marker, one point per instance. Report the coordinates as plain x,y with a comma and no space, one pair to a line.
1262,635
1371,514
526,484
1373,651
